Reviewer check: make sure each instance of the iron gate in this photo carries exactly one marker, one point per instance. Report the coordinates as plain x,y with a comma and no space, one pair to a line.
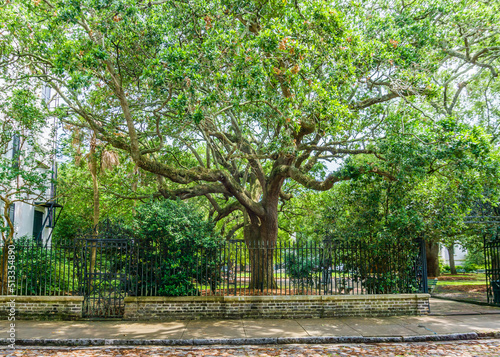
104,282
492,258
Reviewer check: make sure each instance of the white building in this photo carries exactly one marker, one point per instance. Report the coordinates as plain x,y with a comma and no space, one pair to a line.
36,216
460,253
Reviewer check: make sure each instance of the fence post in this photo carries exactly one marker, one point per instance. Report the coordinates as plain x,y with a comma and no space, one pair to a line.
423,263
486,270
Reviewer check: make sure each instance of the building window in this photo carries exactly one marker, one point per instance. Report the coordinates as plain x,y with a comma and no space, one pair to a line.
46,95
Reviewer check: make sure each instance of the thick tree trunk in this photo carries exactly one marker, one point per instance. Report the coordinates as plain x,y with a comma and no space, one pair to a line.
451,254
260,237
261,267
432,250
261,230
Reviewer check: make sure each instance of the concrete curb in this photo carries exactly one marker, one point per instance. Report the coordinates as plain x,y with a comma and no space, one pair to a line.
87,342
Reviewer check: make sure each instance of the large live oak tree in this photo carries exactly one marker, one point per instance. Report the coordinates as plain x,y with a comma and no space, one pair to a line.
262,92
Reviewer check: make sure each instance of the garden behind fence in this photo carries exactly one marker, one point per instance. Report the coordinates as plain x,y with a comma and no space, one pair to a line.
123,267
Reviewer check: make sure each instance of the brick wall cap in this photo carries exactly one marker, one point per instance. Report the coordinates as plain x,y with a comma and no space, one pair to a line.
187,299
375,297
272,298
48,299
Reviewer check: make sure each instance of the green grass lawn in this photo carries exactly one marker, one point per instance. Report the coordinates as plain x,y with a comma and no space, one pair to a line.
472,279
472,276
467,282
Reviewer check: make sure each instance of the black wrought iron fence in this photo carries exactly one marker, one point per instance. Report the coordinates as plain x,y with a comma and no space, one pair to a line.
39,270
94,268
492,260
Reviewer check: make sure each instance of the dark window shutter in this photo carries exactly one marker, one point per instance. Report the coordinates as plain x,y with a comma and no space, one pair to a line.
12,212
15,151
37,226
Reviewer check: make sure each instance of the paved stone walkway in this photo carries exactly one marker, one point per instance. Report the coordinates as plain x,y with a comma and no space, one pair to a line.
449,307
449,318
258,329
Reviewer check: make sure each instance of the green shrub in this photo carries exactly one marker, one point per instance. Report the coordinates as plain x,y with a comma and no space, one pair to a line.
68,227
471,267
42,271
178,249
301,268
390,283
475,256
445,268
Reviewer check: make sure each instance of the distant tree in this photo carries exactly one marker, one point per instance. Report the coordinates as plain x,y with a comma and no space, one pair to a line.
434,207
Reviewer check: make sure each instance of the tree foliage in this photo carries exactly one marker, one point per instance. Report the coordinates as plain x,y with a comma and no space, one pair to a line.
261,93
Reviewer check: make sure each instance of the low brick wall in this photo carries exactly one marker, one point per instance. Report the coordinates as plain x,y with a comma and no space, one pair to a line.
310,306
42,307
